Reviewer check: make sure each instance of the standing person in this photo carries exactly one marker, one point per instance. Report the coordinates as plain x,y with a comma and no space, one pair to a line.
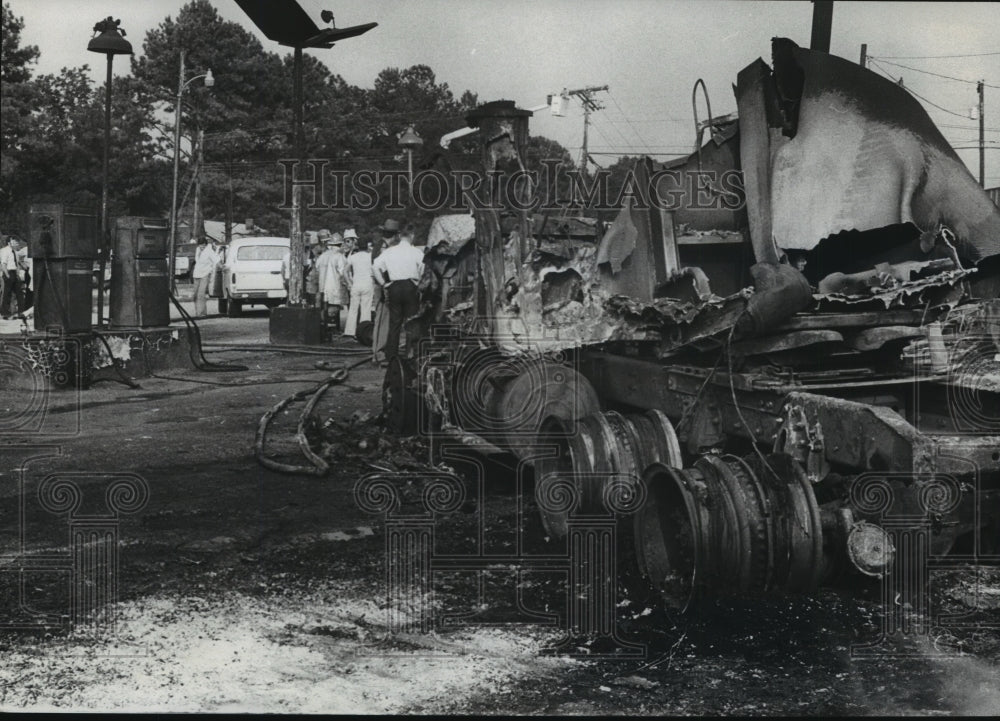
3,277
398,270
331,280
350,242
362,286
311,279
206,257
388,237
24,273
13,288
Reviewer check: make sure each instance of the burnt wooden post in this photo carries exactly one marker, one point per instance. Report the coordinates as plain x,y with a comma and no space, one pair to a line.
503,128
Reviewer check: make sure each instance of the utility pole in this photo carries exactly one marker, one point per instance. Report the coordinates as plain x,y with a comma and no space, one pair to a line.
982,134
296,281
864,55
196,212
589,106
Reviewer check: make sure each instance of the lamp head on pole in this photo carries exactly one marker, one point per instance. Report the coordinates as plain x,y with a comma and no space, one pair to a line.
111,40
410,140
209,79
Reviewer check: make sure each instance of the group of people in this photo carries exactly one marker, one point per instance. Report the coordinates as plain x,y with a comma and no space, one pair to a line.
376,282
15,277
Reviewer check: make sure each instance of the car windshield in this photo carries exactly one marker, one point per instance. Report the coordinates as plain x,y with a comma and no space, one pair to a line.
261,252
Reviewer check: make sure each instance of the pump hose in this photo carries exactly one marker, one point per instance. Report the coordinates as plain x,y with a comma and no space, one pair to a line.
319,466
194,344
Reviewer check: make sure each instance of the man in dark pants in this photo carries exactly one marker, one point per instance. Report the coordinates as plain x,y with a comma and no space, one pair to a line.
397,270
13,283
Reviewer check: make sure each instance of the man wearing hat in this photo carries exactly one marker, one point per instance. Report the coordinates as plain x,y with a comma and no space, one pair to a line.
317,246
398,269
206,259
350,242
330,267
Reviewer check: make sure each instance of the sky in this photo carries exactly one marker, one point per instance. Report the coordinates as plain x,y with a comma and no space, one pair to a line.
648,52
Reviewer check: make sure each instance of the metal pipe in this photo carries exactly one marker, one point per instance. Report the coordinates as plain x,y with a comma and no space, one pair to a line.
296,244
105,239
172,243
982,136
822,25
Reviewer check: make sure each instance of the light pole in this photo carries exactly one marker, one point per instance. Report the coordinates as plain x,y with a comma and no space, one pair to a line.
181,85
110,42
410,141
287,23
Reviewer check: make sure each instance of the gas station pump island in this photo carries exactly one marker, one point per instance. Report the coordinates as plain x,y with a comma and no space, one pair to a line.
67,347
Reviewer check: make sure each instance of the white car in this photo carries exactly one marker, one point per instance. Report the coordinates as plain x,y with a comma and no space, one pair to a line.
251,274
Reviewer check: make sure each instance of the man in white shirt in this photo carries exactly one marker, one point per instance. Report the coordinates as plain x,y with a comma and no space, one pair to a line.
397,270
206,257
358,274
13,286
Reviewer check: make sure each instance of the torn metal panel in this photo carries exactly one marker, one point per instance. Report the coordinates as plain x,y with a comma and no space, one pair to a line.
448,234
703,189
882,276
639,249
829,146
755,159
548,225
941,289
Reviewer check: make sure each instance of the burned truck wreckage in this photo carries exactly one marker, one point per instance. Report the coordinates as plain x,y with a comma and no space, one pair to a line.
779,393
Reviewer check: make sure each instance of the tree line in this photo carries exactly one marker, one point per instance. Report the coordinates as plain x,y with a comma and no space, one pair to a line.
234,132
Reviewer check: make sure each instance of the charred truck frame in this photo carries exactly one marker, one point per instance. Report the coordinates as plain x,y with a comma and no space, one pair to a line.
800,386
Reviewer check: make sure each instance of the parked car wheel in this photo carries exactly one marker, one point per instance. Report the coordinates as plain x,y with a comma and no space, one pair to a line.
235,309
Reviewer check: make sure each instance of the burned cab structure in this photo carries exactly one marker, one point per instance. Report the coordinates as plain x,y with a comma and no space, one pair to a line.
794,389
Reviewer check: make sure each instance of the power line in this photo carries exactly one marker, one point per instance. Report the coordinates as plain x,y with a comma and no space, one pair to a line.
687,149
968,127
648,153
634,129
617,130
653,120
604,137
936,57
937,75
917,95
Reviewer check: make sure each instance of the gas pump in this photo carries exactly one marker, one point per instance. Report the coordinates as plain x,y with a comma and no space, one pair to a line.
63,244
140,283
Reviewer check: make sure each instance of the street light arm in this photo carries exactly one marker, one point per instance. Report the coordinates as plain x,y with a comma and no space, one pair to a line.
206,75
